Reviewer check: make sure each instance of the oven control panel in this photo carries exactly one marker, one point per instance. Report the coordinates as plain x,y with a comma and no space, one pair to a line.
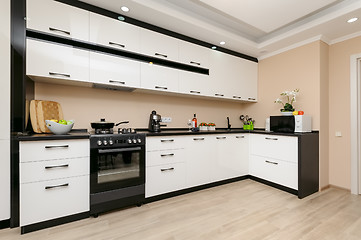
116,140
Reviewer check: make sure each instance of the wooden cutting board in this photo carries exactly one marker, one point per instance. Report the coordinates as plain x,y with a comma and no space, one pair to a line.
47,110
33,116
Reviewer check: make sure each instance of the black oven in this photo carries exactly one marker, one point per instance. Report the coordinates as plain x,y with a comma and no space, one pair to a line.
117,171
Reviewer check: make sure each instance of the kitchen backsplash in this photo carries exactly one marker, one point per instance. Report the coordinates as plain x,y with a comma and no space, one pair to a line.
85,105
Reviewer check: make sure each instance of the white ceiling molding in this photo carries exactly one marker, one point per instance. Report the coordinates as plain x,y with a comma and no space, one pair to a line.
344,38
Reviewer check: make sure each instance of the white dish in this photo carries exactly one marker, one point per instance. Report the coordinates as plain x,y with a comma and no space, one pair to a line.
58,128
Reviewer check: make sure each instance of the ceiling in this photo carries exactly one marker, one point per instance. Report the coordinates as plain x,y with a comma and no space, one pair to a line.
259,28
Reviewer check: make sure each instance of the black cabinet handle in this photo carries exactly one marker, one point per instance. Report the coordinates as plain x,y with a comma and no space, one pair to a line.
167,140
197,92
219,95
167,155
59,74
196,63
57,186
161,55
239,136
237,97
160,87
198,139
268,138
113,81
221,137
57,146
59,30
117,44
274,163
251,99
58,166
167,169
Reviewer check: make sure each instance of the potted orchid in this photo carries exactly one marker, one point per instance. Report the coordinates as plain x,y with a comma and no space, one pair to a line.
291,98
211,126
203,126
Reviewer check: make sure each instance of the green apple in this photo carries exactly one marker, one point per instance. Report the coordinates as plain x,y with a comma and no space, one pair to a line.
62,121
69,122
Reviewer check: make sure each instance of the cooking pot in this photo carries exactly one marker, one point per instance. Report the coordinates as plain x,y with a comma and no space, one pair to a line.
102,124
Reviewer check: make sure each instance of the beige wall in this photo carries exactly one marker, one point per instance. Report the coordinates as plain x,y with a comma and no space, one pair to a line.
85,105
339,116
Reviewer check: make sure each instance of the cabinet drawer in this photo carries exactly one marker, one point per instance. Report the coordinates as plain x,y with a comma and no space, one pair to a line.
47,200
274,146
53,169
57,18
165,178
273,170
55,149
165,157
50,60
164,143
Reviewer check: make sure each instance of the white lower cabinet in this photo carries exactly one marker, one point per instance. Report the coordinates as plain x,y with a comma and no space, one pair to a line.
54,179
165,178
275,159
46,200
274,170
231,155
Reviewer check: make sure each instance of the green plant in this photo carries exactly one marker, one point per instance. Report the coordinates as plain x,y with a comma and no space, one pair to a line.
291,98
211,124
203,124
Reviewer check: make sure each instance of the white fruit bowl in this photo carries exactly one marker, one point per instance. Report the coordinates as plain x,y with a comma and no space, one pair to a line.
58,128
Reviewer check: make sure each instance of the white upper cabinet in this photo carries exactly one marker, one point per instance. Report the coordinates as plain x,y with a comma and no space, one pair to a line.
248,71
56,61
113,70
159,45
194,83
155,77
234,77
57,18
193,55
114,33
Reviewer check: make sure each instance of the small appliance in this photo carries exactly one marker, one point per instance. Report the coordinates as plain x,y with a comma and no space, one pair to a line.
154,122
290,124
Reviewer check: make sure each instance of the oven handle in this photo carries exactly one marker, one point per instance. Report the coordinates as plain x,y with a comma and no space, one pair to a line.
115,150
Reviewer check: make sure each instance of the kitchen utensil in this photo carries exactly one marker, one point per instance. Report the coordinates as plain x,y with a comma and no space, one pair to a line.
33,116
102,124
58,128
47,110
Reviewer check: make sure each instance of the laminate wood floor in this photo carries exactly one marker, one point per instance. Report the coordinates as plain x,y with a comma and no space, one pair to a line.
240,210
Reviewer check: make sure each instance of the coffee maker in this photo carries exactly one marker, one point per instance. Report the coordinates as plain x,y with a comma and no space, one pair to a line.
154,122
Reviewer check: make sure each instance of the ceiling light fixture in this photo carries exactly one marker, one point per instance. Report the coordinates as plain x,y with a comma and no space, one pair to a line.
222,43
121,18
351,20
125,9
214,47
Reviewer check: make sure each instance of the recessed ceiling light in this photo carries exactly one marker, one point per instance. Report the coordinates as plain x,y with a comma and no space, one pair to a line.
125,9
351,20
222,43
214,47
121,18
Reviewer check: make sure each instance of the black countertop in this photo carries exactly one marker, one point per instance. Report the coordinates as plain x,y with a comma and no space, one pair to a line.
73,134
180,131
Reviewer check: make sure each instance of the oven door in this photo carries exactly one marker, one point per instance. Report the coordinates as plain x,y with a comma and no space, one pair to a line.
114,168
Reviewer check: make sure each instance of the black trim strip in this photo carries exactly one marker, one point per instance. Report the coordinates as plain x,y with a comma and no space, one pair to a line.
275,185
54,222
142,24
5,224
194,189
102,49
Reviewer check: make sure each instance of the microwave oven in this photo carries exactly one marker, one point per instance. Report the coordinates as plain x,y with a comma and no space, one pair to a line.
290,124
